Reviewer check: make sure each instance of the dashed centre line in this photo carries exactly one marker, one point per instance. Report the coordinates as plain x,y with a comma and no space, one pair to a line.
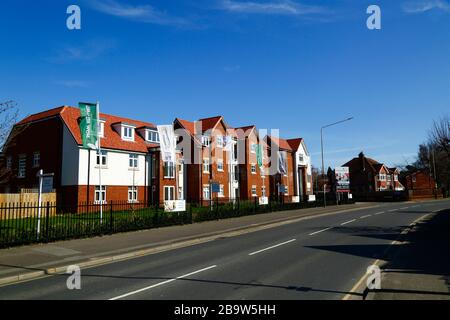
378,213
347,222
311,234
277,245
366,216
392,210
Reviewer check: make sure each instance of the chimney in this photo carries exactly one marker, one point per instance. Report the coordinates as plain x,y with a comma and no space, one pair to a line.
362,163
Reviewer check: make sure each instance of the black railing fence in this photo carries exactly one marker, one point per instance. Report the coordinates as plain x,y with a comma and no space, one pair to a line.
26,223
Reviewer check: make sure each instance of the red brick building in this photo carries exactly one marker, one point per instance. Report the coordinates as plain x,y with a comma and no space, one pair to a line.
420,184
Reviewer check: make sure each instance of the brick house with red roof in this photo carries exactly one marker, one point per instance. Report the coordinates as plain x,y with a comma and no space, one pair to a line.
51,141
368,176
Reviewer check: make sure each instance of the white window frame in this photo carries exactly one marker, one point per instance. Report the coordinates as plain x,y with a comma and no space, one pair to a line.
101,129
253,168
133,161
263,191
124,131
170,173
133,194
22,168
220,165
219,141
152,136
206,141
99,159
97,195
205,166
254,191
206,192
36,159
221,193
169,193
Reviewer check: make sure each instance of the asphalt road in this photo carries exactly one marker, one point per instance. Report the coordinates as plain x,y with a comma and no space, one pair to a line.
318,258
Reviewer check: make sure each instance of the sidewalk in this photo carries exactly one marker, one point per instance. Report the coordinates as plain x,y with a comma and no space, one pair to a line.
32,261
420,268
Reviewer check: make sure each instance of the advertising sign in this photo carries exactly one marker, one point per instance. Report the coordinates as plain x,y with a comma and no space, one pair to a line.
263,201
215,187
342,179
175,205
47,184
89,124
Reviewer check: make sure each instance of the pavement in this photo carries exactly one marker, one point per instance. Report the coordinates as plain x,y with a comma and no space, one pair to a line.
318,254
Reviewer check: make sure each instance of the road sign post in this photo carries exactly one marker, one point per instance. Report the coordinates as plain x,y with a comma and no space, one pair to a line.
45,186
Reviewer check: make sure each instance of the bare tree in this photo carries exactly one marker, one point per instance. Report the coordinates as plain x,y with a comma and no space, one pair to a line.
9,114
439,135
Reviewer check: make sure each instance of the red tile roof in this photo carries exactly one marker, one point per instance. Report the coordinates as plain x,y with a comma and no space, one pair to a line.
209,123
112,139
295,143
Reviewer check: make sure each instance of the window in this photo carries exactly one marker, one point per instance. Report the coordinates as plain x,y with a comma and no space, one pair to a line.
154,166
263,191
36,159
100,197
382,177
253,168
395,177
286,191
127,133
169,193
206,141
220,194
169,169
133,194
220,165
206,193
300,158
254,194
9,162
152,136
205,165
219,141
22,166
101,129
102,158
133,161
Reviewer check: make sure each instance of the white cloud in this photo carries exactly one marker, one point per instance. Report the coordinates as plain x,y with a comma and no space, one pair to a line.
84,52
424,6
280,7
73,83
142,13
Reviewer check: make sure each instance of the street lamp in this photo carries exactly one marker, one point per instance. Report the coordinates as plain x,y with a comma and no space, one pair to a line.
321,146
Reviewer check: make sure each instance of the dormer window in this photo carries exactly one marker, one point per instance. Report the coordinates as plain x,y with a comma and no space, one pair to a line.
127,133
206,141
101,129
152,136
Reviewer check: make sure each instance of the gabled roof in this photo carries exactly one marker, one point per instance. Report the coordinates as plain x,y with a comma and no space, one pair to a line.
281,143
210,123
112,139
295,143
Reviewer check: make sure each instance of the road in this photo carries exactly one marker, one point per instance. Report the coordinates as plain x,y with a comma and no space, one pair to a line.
318,258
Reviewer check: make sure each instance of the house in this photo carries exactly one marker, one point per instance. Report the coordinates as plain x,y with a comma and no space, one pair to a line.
211,162
51,141
253,176
369,176
420,184
292,178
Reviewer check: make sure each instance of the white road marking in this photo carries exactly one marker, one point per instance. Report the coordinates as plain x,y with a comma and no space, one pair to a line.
350,221
366,216
161,283
404,208
311,234
378,213
415,206
277,245
392,210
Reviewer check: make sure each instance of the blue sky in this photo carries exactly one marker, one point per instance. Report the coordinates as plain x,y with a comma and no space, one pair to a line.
287,64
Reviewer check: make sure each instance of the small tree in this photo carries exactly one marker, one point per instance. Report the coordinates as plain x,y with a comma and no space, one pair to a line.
9,114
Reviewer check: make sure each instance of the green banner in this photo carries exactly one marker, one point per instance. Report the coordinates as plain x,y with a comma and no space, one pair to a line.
259,155
89,124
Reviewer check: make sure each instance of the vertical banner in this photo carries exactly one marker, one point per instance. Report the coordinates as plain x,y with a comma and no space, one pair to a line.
89,124
282,162
167,142
259,155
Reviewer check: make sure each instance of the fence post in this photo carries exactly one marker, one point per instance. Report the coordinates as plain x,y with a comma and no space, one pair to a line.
254,208
47,218
111,223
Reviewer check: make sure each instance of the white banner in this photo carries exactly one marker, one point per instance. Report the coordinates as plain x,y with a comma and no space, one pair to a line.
282,162
167,142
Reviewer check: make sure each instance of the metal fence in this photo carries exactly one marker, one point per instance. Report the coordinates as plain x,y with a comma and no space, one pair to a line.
28,223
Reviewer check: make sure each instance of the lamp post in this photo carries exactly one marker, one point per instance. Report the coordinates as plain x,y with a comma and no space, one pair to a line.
321,147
